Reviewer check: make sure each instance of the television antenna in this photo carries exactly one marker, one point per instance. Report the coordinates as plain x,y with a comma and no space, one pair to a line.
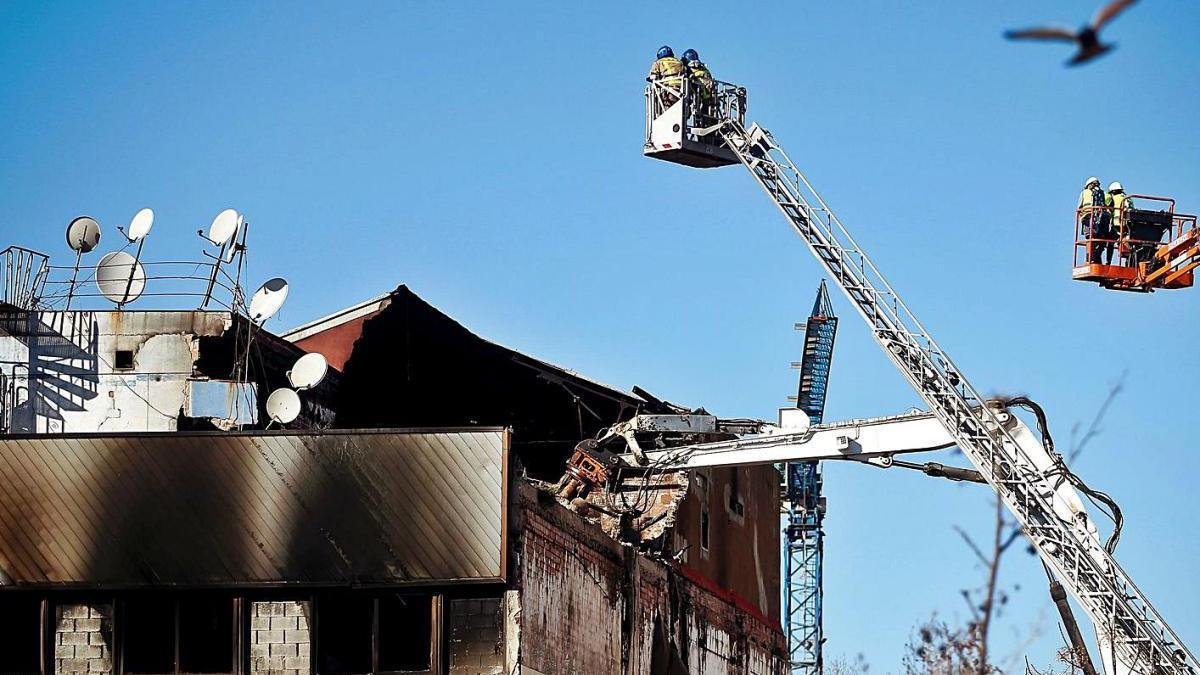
283,406
120,278
139,227
83,234
223,233
308,371
268,299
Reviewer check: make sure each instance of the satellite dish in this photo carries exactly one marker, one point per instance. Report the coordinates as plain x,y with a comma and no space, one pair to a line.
120,277
283,405
308,372
237,231
223,226
140,225
268,299
83,234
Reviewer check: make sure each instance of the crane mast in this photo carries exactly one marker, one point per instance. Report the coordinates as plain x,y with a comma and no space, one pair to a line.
1132,635
805,535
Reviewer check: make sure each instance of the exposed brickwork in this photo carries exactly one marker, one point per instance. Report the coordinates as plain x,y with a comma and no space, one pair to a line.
589,606
280,642
476,639
83,639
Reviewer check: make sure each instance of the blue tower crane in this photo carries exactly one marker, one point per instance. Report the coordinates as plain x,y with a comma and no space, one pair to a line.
805,506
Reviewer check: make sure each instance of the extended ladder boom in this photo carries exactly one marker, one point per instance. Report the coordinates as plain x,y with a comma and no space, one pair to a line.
1138,636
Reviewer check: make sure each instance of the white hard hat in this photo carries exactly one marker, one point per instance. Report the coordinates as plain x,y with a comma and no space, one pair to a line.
1091,181
1115,186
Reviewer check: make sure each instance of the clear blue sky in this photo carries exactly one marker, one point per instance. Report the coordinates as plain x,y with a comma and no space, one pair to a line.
489,157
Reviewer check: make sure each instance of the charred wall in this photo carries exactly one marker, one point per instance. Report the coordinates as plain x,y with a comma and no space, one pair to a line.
589,605
414,366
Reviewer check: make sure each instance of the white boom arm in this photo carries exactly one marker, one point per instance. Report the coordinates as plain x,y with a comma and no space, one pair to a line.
856,440
876,441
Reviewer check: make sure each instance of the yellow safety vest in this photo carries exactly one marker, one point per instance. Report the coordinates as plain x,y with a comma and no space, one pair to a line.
1120,202
668,70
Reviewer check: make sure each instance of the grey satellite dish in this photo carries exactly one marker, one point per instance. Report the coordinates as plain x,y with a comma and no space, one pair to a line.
223,227
283,405
120,277
83,234
308,372
268,299
139,227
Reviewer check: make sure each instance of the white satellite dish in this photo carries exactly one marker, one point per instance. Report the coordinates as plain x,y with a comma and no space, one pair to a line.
308,372
237,231
268,299
83,234
120,277
283,405
140,225
223,227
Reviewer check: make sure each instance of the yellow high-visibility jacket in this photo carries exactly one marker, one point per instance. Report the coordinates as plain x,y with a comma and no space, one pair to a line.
1121,203
1088,198
669,70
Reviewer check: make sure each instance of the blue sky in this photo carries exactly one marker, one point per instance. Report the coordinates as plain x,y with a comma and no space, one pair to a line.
489,157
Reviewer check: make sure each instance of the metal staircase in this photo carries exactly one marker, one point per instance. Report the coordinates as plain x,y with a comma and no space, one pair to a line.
804,532
1137,634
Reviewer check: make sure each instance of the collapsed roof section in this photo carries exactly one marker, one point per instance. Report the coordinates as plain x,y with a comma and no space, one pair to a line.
407,364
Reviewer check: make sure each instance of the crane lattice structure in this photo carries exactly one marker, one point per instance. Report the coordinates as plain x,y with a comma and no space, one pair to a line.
804,531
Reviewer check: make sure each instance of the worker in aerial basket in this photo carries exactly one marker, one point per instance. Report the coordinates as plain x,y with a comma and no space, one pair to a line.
701,79
1094,219
1121,203
669,71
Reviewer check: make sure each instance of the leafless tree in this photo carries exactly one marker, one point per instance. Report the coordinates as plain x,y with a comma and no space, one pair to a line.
938,648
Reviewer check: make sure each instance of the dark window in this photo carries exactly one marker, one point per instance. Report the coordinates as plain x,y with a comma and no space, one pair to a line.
21,626
123,359
200,629
363,634
344,630
147,628
704,527
205,635
405,634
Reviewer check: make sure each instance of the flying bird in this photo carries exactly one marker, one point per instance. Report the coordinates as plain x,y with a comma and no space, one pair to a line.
1087,38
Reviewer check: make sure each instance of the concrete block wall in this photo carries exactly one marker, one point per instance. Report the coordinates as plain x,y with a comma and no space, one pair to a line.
280,641
83,639
476,636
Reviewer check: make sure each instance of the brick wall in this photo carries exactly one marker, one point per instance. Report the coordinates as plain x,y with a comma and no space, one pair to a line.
589,606
279,638
83,639
476,636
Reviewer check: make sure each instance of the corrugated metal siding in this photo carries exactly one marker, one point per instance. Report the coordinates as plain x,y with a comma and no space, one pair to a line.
387,506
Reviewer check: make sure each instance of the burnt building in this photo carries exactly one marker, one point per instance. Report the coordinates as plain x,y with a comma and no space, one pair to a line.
407,520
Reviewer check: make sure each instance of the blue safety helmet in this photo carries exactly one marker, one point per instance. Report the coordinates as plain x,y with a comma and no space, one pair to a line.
690,55
664,52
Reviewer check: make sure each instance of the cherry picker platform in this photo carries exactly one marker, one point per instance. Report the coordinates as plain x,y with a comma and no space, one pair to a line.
1154,248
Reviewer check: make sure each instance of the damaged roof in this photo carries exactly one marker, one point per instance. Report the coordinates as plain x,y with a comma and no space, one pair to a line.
261,508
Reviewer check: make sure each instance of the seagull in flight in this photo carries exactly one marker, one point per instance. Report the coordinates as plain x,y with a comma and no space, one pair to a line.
1087,38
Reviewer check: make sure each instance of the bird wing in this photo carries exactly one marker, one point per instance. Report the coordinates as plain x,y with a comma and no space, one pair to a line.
1110,12
1060,34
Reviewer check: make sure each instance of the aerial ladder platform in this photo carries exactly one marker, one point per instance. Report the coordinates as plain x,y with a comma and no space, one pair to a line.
1132,636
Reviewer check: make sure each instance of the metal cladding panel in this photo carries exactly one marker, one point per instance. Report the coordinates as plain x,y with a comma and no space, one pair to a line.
334,507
